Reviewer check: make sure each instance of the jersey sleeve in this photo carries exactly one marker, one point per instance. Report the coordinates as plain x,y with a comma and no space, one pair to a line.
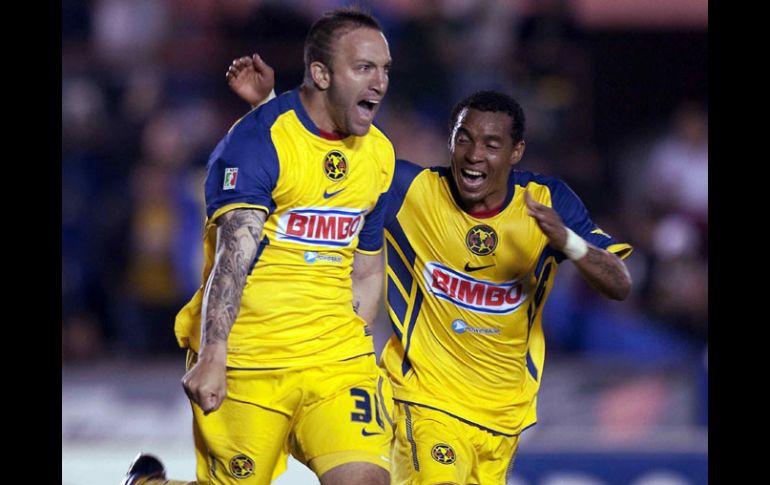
575,216
370,238
403,176
242,171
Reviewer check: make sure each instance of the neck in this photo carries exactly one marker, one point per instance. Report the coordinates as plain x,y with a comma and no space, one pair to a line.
487,207
316,105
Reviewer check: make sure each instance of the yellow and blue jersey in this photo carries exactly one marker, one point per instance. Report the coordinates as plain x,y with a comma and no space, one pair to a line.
322,197
465,295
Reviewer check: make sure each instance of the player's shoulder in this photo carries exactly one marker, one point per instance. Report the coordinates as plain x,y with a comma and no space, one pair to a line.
525,178
406,172
378,143
260,120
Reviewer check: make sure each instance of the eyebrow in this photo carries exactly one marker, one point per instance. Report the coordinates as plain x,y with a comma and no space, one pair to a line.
461,129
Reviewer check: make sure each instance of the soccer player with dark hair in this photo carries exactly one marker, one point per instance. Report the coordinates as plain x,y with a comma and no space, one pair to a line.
472,251
280,357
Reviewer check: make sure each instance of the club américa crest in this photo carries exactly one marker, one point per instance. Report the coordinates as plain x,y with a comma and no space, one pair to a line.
443,453
241,466
335,166
481,240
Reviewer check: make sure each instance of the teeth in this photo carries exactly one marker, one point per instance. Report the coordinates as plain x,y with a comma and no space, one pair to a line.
472,173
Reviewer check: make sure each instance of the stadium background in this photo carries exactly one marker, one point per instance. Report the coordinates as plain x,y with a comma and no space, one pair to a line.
615,92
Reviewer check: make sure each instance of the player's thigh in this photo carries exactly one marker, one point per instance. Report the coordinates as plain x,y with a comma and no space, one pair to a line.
496,458
428,449
356,473
240,443
349,423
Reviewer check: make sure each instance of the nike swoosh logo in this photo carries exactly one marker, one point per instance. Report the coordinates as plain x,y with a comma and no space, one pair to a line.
332,194
471,269
367,433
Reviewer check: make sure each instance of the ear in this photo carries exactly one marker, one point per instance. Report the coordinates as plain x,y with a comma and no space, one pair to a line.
321,75
518,152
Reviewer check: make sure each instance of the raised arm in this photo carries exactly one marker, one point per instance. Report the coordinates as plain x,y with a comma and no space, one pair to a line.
367,276
238,236
252,79
603,270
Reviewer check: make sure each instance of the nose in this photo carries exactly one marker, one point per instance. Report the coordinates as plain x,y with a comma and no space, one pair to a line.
476,153
379,81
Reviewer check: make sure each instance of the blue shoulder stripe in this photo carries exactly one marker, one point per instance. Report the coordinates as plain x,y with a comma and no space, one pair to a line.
570,208
244,168
403,176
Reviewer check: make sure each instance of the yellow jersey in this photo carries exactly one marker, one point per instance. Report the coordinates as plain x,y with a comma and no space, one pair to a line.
465,295
322,196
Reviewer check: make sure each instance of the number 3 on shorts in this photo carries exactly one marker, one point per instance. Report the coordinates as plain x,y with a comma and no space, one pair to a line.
362,401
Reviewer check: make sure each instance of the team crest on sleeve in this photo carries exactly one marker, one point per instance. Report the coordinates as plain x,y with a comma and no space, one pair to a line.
481,240
443,454
231,178
241,466
335,166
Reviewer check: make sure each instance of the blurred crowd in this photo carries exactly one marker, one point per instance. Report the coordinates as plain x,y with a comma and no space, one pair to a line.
144,101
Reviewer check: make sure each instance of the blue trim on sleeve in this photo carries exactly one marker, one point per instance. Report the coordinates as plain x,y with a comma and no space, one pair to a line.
247,147
370,237
403,176
570,208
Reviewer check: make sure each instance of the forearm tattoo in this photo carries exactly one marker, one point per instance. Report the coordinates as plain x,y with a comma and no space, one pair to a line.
356,306
607,268
238,238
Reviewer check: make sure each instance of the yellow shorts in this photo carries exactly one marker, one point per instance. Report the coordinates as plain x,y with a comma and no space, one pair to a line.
325,416
433,447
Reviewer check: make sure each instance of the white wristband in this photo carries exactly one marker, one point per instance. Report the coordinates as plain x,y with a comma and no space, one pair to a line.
268,98
576,246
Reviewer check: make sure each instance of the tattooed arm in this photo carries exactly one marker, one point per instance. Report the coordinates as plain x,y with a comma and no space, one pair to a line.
603,270
238,235
367,276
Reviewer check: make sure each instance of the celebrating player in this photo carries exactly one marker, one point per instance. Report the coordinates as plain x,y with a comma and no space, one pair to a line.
280,358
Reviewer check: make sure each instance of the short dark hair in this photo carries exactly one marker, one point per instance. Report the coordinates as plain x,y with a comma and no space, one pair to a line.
496,102
330,27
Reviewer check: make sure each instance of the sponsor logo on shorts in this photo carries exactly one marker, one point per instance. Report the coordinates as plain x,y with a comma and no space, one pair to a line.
369,433
241,466
443,453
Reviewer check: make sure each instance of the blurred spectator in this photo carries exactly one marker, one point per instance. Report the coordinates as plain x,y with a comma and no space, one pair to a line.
553,71
677,176
422,52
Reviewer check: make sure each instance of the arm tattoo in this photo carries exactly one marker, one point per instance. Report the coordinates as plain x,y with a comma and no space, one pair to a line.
605,265
237,243
356,305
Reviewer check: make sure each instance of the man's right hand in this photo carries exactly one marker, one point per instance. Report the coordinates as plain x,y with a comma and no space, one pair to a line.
251,78
206,384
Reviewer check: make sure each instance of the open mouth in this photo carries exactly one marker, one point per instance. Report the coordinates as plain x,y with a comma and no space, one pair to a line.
368,104
472,177
367,108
